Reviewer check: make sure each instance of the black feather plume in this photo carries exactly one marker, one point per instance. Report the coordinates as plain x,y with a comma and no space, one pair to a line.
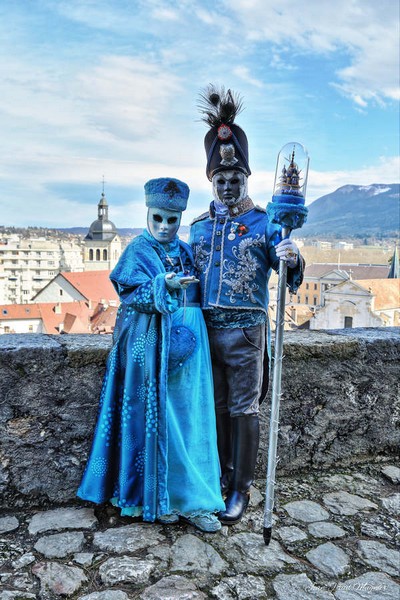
218,106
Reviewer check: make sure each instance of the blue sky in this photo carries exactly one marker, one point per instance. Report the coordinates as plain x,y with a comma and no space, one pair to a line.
110,87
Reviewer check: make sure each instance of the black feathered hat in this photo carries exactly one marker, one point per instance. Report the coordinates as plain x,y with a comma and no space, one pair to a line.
225,143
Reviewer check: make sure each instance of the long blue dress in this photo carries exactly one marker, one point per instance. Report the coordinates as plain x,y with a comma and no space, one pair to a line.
154,450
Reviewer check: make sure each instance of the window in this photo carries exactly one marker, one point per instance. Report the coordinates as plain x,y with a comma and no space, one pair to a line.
298,299
306,300
6,329
61,292
315,286
315,300
348,322
307,286
30,328
104,254
97,254
91,254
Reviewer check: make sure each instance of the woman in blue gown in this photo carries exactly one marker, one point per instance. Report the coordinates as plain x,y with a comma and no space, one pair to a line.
154,452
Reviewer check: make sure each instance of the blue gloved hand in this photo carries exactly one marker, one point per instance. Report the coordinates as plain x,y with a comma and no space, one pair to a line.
179,282
288,251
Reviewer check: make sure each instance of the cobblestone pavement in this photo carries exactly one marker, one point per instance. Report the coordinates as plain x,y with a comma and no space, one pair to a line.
334,537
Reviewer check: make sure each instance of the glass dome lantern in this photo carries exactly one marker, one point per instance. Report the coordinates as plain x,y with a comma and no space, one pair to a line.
291,174
289,195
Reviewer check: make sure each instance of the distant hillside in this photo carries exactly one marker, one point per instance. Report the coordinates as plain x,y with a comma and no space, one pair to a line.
365,210
368,211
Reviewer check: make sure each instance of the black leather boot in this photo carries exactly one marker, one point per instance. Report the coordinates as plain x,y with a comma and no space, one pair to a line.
245,440
224,440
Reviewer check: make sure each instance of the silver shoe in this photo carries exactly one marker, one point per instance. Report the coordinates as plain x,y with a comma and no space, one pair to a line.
168,519
207,522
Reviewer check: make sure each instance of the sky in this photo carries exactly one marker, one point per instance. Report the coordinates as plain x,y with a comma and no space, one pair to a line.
107,90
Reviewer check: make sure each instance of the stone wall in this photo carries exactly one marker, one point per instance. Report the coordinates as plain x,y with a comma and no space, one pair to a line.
339,405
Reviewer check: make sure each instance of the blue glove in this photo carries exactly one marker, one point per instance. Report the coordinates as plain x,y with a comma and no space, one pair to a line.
177,282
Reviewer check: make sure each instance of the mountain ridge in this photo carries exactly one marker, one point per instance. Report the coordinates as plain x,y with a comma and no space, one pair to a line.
366,210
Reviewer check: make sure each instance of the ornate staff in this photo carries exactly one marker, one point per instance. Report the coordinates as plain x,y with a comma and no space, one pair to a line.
288,210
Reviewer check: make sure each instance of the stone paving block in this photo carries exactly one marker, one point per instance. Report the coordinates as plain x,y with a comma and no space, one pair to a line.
106,595
190,554
291,534
126,569
84,558
392,504
23,561
298,587
306,511
381,526
369,586
17,595
329,559
59,578
8,523
128,538
247,553
379,556
241,587
60,545
325,529
174,587
343,503
392,473
62,518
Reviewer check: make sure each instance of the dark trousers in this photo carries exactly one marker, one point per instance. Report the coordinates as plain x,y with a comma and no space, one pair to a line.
238,360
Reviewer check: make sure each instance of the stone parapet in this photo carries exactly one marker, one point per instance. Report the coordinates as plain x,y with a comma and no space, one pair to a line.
339,406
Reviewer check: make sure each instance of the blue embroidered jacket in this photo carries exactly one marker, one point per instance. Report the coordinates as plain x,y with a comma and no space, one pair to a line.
234,255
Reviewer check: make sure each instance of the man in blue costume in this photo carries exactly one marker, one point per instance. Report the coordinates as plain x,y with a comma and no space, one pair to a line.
154,452
235,247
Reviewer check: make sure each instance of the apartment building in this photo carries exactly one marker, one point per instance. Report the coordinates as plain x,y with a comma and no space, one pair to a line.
28,264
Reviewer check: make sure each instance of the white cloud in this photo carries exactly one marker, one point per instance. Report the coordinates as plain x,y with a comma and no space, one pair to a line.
385,171
362,32
165,14
244,74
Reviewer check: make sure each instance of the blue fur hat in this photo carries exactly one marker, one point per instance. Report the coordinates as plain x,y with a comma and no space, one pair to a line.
167,193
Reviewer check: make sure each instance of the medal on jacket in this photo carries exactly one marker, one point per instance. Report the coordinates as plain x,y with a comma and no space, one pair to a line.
237,228
232,233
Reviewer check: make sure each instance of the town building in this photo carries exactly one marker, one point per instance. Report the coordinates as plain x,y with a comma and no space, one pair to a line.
93,287
362,303
57,318
83,302
71,317
28,264
102,244
320,277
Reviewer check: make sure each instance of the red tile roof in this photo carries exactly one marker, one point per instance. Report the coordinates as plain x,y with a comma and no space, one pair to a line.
103,321
93,285
386,292
317,270
19,311
53,315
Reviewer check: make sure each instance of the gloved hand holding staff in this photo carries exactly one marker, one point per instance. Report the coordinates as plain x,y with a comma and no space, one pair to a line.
287,208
